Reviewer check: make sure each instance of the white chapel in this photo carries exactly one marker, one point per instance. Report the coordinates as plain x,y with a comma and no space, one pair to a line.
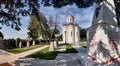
71,31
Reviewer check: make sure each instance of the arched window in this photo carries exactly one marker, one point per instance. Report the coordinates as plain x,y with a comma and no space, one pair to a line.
71,33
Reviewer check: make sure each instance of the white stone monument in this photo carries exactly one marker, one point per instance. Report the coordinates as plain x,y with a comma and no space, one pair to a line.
51,46
28,43
103,36
71,31
33,43
55,44
20,44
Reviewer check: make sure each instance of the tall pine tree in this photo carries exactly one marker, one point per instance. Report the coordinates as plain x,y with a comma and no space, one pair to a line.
33,28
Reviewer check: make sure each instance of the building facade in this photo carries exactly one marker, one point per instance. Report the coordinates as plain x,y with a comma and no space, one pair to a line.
71,31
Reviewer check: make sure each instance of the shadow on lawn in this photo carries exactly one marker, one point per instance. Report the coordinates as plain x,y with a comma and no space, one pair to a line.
51,55
47,55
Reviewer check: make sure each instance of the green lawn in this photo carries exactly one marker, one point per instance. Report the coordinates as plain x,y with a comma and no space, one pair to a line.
19,50
69,49
51,55
83,45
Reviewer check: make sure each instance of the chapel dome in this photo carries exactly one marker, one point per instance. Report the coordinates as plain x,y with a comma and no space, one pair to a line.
70,19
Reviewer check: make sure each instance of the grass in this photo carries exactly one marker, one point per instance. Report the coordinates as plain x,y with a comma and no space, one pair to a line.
69,49
51,55
19,50
83,45
44,54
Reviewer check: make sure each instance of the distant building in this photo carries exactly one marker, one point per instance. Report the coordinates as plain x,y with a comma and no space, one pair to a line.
71,31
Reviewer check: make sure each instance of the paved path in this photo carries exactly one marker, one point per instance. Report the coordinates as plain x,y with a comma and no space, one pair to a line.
79,48
82,55
63,59
12,57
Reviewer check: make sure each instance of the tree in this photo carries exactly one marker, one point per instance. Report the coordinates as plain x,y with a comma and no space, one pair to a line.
83,33
33,28
61,3
47,29
59,38
38,26
1,35
43,26
53,28
18,40
11,10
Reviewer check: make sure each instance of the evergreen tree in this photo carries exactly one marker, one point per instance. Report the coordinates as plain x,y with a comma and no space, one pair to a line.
38,26
83,35
1,35
33,28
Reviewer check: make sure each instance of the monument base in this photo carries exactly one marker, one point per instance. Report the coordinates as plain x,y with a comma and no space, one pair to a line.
51,46
88,62
103,43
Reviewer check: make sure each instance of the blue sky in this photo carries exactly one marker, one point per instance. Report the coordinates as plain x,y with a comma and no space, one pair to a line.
83,17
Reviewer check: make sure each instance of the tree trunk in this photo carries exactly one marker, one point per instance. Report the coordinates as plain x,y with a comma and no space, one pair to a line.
33,43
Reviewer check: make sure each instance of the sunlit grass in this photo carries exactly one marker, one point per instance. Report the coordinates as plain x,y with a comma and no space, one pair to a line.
19,50
83,45
51,55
